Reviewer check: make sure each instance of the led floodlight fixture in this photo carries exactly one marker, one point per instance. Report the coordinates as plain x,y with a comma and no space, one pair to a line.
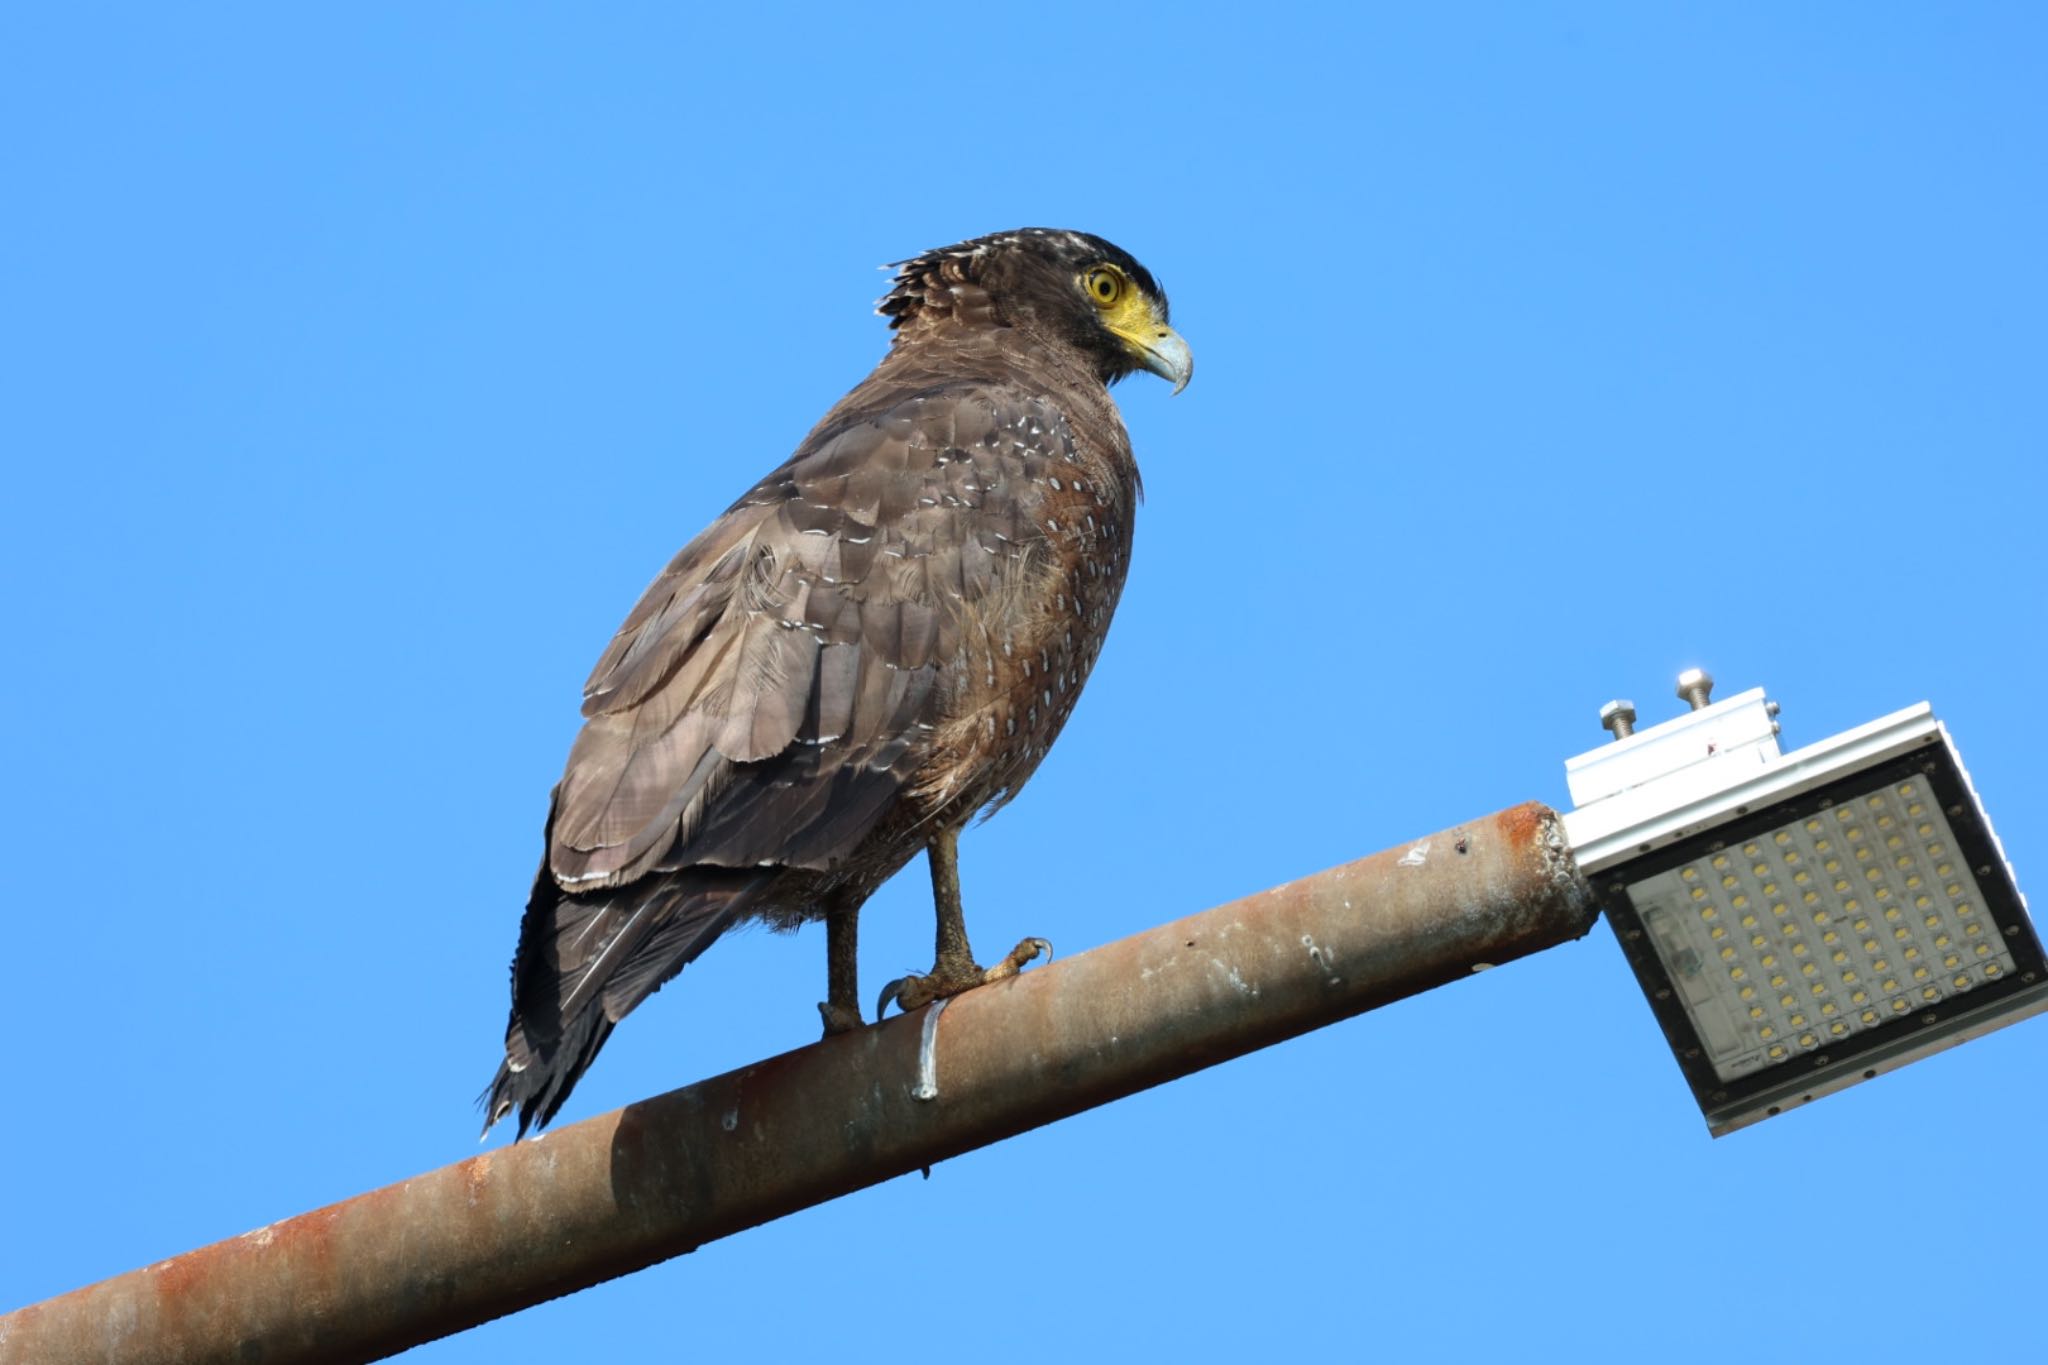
1800,922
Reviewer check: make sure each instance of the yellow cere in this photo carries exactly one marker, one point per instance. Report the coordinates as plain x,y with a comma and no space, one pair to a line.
1878,852
1125,309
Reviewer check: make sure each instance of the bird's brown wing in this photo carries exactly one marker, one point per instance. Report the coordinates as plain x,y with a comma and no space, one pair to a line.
770,698
778,684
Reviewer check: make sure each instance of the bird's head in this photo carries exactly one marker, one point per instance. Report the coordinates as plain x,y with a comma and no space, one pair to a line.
1072,287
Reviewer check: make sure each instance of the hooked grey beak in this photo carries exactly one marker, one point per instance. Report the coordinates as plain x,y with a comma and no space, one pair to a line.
1167,356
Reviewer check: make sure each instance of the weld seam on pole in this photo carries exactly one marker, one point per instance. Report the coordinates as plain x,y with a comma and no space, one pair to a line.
928,1053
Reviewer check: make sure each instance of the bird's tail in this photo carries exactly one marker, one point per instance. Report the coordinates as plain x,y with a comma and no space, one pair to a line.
585,961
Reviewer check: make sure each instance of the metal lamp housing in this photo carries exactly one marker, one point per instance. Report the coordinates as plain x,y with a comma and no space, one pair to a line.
1801,922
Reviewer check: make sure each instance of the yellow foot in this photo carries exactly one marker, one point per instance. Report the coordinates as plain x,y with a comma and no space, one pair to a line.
911,992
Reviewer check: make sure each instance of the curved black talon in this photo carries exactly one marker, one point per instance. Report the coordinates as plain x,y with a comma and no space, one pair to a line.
892,991
1027,950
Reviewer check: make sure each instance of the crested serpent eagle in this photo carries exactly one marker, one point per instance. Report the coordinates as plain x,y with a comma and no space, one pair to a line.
877,642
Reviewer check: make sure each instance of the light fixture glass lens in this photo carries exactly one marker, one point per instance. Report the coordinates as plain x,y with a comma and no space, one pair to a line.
1820,929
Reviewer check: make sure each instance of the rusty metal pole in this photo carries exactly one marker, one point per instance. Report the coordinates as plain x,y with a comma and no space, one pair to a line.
390,1269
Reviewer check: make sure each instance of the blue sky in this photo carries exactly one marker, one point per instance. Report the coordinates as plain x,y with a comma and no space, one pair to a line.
358,369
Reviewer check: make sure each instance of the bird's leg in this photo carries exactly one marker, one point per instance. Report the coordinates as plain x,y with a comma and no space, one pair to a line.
841,1008
951,957
954,968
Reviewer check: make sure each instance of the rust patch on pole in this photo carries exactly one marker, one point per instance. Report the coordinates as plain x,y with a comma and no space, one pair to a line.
373,1275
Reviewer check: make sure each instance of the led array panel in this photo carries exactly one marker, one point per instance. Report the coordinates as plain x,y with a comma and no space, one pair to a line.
1822,928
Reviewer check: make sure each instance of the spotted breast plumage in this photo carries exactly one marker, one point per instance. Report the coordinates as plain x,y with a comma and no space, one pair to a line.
881,639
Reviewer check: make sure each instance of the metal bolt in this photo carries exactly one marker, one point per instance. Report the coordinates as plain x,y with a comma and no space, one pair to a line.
1695,686
1619,717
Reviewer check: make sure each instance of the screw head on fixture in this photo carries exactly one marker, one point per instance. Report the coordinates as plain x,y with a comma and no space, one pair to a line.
1695,687
1619,717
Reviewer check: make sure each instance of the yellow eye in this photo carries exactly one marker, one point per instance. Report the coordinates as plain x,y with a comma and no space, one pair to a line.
1105,286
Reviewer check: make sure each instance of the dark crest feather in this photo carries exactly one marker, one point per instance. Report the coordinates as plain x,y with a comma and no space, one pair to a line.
923,276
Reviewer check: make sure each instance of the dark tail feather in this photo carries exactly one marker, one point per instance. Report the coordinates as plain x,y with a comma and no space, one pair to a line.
585,961
539,1088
